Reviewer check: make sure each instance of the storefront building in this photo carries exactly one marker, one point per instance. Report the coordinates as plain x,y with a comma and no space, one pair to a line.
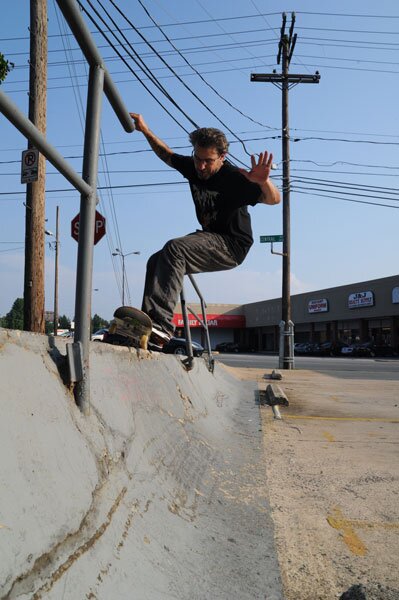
226,322
358,312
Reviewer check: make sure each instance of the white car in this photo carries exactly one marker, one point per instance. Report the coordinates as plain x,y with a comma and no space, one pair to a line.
98,336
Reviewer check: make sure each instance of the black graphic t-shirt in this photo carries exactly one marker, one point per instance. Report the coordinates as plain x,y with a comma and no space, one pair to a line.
221,203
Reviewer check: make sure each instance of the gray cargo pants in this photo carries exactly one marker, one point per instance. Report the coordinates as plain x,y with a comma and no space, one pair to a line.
198,252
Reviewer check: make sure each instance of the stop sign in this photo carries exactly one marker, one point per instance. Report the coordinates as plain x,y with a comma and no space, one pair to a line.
99,227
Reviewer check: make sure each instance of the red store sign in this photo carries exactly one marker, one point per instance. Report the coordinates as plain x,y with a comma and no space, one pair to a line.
219,321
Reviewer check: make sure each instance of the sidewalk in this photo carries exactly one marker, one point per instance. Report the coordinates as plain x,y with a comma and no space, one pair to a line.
332,468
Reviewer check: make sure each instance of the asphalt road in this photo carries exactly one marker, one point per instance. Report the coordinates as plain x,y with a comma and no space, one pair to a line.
386,369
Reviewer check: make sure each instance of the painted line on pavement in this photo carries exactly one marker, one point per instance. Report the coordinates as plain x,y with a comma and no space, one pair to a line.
321,418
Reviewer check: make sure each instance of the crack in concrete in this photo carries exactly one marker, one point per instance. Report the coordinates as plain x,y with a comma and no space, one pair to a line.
26,581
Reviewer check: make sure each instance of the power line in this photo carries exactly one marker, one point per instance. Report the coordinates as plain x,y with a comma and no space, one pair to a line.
172,71
347,184
196,71
345,199
180,23
81,113
132,71
366,16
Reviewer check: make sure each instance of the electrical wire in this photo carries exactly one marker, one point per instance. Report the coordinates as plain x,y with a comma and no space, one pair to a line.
345,184
132,71
195,70
172,71
12,249
81,113
345,199
337,191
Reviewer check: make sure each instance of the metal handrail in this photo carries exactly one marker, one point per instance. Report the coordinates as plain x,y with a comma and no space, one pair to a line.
203,322
99,82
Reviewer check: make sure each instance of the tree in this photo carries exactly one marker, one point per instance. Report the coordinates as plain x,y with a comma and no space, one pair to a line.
64,322
98,322
5,67
15,318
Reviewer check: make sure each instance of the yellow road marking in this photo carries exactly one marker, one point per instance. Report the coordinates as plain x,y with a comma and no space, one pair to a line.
354,543
321,418
328,436
348,526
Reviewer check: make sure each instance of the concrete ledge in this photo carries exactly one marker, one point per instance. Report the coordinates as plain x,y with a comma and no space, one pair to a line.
275,395
274,375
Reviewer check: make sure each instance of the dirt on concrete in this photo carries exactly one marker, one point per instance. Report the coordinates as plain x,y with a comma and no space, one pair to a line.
332,472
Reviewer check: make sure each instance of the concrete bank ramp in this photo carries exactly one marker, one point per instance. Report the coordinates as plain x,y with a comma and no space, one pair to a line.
159,494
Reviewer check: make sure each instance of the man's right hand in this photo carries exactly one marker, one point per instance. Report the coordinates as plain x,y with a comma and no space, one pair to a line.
139,123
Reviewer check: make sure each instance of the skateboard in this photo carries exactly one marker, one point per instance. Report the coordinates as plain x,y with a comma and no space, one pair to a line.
130,327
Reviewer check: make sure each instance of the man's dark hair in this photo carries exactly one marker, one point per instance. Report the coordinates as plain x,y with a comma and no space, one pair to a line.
207,137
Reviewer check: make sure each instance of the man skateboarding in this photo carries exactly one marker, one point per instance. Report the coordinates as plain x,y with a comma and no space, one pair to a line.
221,194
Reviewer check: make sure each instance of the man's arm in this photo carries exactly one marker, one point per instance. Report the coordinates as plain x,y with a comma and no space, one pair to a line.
161,149
259,174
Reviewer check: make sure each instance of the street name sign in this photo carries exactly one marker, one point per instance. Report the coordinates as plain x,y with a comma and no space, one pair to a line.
271,238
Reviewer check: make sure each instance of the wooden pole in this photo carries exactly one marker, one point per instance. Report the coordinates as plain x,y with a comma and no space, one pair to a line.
35,192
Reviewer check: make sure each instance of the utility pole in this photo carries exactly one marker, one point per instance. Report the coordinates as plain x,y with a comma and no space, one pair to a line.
35,192
285,81
57,243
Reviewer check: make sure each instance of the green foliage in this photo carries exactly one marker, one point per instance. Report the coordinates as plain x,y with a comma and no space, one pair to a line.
64,322
98,322
15,318
5,67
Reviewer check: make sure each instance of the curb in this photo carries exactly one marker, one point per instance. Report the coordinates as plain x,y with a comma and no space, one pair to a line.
275,395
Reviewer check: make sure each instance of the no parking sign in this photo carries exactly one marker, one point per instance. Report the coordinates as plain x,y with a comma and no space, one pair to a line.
29,166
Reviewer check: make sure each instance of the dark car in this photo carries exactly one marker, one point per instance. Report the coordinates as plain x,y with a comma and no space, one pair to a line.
177,345
306,348
233,347
227,347
370,349
331,348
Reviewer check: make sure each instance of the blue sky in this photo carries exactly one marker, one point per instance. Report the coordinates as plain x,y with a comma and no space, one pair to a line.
345,148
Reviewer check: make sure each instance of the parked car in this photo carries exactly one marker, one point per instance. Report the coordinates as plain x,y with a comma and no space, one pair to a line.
331,348
66,334
177,345
306,348
227,347
349,350
233,347
98,336
370,349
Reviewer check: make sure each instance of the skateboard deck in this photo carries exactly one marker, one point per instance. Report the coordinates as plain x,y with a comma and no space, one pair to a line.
132,325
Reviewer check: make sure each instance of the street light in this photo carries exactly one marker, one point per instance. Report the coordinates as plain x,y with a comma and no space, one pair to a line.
118,252
56,243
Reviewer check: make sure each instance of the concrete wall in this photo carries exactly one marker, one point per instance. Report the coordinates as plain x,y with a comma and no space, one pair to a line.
159,493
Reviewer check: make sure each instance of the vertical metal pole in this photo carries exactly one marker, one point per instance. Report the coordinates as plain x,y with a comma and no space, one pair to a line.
123,280
84,276
187,332
286,291
57,242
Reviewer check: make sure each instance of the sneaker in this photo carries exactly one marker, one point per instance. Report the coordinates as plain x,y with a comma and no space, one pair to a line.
159,337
